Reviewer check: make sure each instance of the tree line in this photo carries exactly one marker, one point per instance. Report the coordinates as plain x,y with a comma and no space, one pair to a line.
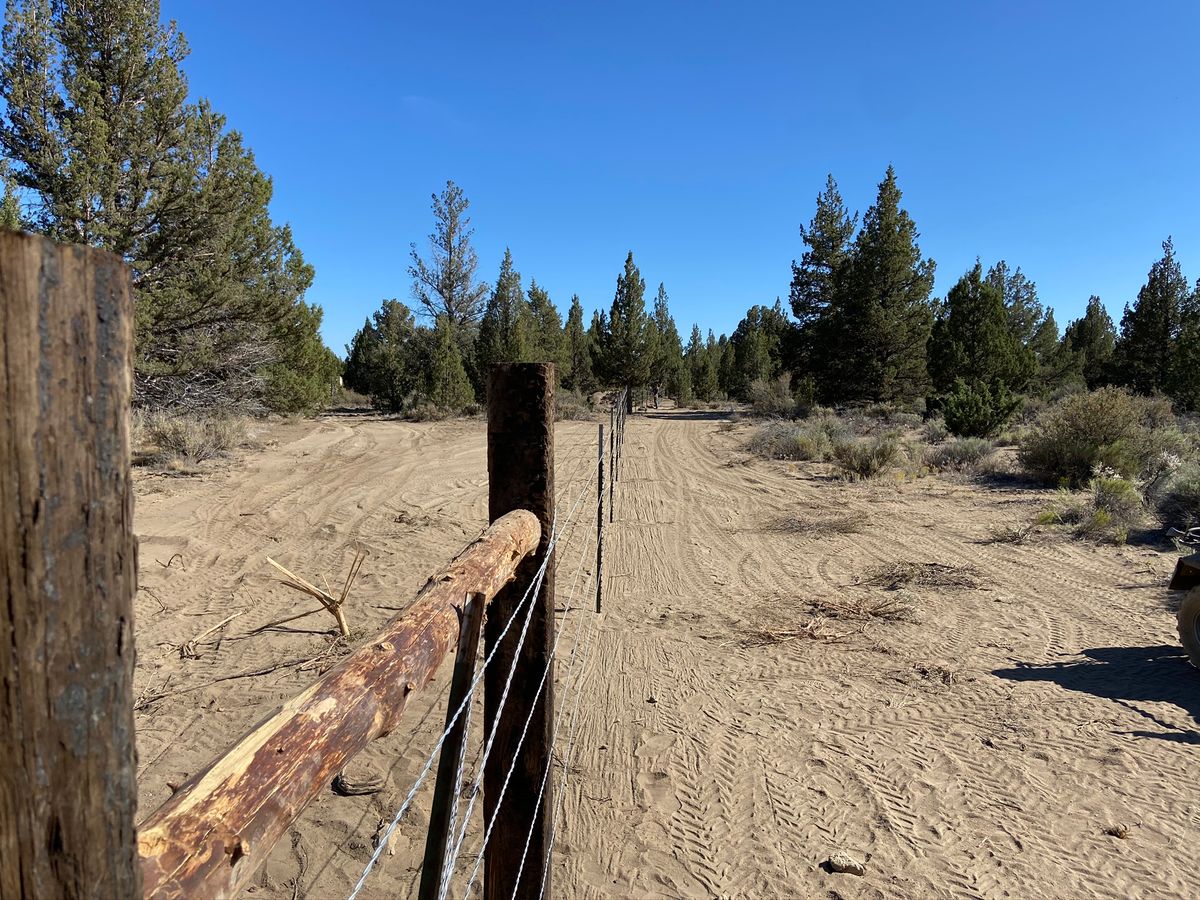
102,147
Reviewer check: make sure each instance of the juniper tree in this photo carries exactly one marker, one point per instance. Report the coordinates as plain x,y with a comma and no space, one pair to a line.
828,238
1150,327
702,365
667,367
383,360
108,152
448,386
1184,375
1023,310
758,344
971,339
627,347
1091,340
506,331
578,375
548,341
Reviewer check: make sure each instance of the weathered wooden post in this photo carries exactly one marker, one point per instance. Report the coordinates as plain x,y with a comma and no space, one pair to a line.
520,476
612,459
445,792
68,574
600,517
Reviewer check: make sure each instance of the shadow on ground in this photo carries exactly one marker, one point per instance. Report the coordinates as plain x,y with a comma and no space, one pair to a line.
693,415
1128,676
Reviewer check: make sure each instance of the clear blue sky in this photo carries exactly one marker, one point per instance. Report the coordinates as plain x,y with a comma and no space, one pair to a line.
1063,137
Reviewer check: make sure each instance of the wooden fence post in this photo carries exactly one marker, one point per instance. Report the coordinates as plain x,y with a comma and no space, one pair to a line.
68,574
600,517
521,476
445,792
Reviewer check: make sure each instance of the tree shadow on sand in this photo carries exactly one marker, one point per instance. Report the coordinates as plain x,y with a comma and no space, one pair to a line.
1128,676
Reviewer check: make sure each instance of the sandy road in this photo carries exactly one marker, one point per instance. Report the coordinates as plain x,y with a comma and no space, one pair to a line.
978,750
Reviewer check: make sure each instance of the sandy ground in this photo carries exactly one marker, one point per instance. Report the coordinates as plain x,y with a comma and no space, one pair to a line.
735,727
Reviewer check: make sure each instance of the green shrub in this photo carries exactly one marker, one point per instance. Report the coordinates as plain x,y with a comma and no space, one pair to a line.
977,410
1109,428
1111,507
959,455
1179,501
772,399
865,457
936,431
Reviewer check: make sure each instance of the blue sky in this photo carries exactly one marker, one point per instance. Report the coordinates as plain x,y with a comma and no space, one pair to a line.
1060,136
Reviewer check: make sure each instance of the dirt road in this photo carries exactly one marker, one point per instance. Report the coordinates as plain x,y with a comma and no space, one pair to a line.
737,724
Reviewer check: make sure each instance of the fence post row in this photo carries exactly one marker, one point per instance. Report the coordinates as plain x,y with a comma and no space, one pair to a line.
521,476
68,789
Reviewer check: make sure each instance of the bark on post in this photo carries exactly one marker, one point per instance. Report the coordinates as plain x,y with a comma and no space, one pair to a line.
521,476
600,517
68,574
214,833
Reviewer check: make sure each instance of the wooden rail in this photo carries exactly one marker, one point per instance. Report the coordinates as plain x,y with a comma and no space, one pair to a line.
211,837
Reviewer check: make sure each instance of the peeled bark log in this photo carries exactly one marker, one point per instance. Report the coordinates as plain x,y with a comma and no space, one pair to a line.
211,837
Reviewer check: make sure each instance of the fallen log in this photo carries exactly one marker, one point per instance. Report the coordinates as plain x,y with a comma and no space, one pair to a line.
212,836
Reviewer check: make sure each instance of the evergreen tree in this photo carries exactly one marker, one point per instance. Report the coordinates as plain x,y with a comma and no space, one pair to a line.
445,285
1091,340
304,376
828,238
1150,327
758,345
385,360
972,341
627,346
109,153
449,388
506,332
1052,364
549,343
578,375
10,205
1021,304
702,366
667,368
726,366
597,343
877,327
1184,378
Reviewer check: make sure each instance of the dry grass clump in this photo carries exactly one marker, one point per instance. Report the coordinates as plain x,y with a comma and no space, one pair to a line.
773,399
890,608
815,628
185,437
571,406
960,455
901,574
1012,533
935,430
849,523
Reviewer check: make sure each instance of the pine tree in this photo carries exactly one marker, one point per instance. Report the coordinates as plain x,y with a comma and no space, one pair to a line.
667,368
758,346
108,152
627,340
385,359
10,205
1184,377
597,343
972,341
449,387
877,327
1150,327
445,285
302,379
578,376
828,238
1091,339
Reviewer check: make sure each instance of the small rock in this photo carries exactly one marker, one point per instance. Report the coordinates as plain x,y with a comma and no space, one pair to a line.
652,700
844,862
1120,830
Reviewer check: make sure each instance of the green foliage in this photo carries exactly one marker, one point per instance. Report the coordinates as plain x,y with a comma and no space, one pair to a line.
874,334
448,385
508,330
1107,428
978,410
626,346
866,457
1106,512
386,358
773,399
1178,503
702,364
1091,340
109,152
444,285
757,349
577,375
1184,375
1142,359
304,377
935,430
973,340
